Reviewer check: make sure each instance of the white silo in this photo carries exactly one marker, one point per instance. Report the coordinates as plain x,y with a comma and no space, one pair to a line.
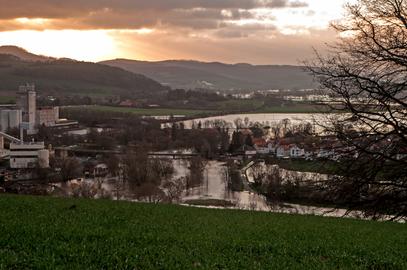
32,107
15,118
4,117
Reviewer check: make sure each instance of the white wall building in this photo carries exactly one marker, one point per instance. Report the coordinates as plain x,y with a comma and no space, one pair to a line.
28,155
296,152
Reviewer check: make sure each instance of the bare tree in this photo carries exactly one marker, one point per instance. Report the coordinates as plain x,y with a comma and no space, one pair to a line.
68,168
238,123
233,177
174,189
366,73
197,167
145,175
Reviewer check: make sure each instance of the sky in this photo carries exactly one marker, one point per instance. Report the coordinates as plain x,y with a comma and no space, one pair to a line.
231,31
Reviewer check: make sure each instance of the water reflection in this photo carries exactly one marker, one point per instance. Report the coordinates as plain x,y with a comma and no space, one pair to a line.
213,187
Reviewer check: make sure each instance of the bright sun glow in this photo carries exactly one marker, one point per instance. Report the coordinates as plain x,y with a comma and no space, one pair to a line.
93,45
27,21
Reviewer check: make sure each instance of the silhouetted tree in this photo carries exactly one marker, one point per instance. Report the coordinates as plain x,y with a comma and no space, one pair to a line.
367,74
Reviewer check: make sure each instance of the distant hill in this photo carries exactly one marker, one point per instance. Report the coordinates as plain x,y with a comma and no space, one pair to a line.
23,54
193,74
69,77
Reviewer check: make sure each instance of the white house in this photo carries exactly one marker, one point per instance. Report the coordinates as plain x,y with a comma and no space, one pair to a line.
283,151
296,152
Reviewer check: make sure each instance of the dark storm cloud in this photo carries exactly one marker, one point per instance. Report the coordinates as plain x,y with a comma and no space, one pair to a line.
244,31
132,14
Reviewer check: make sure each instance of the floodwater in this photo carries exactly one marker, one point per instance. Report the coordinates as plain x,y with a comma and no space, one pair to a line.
265,118
213,187
317,120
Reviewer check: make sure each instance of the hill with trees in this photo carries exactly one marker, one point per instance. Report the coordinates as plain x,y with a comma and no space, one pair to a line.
23,54
69,77
219,76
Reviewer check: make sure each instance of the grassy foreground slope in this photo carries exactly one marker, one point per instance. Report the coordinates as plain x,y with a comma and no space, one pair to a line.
49,233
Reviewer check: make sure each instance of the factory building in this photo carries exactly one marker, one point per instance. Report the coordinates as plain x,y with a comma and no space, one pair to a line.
47,116
10,119
28,155
27,103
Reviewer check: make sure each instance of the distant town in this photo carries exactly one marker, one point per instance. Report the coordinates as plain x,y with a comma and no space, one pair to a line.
97,150
250,134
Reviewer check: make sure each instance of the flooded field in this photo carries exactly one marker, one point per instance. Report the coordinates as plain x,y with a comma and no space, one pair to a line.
213,188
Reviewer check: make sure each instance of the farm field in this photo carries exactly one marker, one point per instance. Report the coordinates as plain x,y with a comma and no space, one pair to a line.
239,105
300,165
142,111
49,233
293,108
7,100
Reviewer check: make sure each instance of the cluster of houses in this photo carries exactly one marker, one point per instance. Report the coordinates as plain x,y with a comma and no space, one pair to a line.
318,148
287,148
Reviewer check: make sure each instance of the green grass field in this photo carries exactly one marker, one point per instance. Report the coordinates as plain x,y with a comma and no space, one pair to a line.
294,108
7,100
143,112
300,165
50,233
239,105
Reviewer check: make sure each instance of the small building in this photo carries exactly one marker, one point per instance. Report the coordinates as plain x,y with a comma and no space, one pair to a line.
128,103
283,151
101,170
261,146
296,152
247,150
47,116
28,155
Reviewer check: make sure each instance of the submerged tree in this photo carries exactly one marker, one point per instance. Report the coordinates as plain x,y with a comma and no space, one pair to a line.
197,167
145,175
366,73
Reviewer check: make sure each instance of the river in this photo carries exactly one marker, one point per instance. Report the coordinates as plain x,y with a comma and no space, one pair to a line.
213,187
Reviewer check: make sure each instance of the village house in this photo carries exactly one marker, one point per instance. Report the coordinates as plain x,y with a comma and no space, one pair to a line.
283,151
128,103
261,146
296,151
247,151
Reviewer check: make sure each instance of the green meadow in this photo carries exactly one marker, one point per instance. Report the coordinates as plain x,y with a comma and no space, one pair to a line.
56,233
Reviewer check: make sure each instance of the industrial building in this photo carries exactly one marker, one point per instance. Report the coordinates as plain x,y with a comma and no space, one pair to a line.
28,155
47,116
31,115
27,103
24,155
10,119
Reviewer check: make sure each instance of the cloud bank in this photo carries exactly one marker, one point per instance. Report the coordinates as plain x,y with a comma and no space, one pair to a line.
244,28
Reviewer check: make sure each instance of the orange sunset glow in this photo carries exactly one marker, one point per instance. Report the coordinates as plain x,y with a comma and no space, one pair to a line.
260,32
